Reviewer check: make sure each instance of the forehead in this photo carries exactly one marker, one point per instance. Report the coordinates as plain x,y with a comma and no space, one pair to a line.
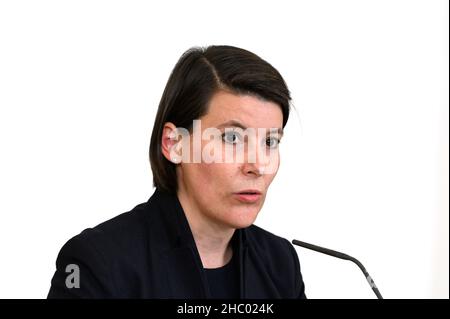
249,110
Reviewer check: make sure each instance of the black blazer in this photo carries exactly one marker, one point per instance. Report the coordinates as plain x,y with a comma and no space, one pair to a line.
149,252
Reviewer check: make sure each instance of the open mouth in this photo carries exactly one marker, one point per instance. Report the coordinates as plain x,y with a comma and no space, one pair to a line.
249,196
249,192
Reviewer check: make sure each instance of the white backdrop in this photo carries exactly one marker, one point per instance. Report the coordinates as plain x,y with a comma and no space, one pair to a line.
364,160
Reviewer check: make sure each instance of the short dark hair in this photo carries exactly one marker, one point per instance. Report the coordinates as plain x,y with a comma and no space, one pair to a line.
198,74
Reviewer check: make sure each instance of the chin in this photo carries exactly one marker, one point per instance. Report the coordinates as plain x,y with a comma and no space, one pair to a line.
243,219
242,225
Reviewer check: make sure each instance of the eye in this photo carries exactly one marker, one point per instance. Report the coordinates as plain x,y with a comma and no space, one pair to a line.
272,142
231,137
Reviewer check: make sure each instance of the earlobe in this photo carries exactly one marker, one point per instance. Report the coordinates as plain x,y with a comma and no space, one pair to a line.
168,143
175,159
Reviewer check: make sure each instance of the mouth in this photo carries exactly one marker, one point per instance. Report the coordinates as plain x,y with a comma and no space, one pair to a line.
248,196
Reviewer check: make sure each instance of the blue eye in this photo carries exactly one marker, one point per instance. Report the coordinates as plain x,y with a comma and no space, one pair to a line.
272,142
231,137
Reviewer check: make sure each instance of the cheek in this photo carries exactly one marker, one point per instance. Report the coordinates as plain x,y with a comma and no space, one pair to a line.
199,175
271,169
268,178
209,178
220,176
271,165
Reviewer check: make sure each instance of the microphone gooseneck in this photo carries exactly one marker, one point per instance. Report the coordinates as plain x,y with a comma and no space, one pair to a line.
341,256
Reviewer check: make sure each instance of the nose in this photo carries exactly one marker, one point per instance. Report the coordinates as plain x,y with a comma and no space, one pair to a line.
253,165
253,169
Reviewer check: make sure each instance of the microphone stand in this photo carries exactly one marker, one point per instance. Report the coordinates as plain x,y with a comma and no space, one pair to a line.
341,256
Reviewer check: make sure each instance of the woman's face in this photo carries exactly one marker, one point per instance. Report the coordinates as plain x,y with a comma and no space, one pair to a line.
212,187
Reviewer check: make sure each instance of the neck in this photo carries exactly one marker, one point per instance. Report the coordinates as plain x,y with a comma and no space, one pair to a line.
212,239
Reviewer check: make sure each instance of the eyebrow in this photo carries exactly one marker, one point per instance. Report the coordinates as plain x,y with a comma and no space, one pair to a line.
234,123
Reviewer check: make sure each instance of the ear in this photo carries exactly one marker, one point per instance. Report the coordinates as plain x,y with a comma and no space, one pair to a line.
168,143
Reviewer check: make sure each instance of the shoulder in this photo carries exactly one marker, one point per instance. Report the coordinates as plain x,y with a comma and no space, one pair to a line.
123,241
117,233
110,242
127,237
99,253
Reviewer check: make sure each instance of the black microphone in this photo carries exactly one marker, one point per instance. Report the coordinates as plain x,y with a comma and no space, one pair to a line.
341,256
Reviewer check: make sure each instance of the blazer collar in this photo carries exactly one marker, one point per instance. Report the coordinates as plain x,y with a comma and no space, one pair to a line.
184,252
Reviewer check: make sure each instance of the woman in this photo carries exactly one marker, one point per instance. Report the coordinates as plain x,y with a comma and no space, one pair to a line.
194,237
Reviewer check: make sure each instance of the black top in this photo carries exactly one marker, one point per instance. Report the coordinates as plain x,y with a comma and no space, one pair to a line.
150,252
224,281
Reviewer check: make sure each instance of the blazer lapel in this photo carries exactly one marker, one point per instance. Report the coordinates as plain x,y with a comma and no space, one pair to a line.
256,283
185,274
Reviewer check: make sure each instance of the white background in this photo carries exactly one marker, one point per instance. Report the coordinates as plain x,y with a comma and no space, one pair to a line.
364,159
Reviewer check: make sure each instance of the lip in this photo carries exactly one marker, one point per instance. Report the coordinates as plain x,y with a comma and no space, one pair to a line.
254,197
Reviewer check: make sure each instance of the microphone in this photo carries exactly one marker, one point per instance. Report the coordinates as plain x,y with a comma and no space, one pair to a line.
341,256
